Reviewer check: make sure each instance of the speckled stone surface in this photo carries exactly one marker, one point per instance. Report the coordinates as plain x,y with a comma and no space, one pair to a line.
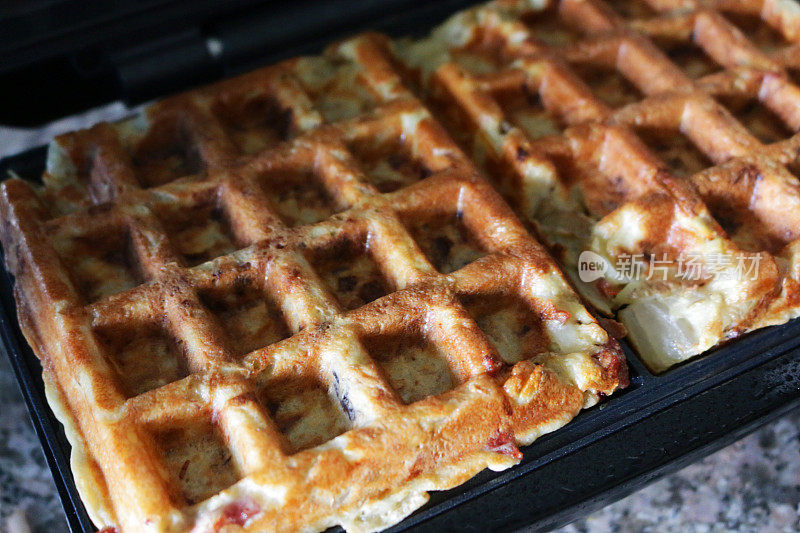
752,485
26,486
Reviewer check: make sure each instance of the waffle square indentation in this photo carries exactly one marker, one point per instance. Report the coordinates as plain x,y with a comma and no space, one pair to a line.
304,410
165,154
388,164
608,84
759,120
679,153
253,122
299,198
632,9
101,263
514,329
144,356
249,316
198,462
548,27
199,233
447,243
758,31
351,273
689,57
523,108
415,366
335,88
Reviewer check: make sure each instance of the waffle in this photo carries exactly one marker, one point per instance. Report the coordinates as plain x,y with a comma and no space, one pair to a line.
654,134
289,301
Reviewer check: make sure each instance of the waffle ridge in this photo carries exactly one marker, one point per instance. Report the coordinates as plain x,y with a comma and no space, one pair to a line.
289,301
659,129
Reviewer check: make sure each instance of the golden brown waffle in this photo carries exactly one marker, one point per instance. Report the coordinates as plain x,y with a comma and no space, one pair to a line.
657,133
289,301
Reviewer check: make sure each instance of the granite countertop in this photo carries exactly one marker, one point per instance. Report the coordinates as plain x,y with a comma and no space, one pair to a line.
752,485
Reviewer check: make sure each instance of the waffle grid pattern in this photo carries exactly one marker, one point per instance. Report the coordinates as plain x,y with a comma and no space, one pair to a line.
656,129
279,303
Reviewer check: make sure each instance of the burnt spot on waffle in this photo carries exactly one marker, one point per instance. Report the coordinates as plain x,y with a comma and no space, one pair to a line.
253,122
759,120
608,84
388,164
350,272
198,462
199,232
304,410
299,198
445,240
514,329
101,263
677,151
144,355
248,314
415,366
165,154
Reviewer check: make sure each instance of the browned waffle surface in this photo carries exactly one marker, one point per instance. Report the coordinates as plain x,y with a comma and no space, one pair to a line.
289,301
658,134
